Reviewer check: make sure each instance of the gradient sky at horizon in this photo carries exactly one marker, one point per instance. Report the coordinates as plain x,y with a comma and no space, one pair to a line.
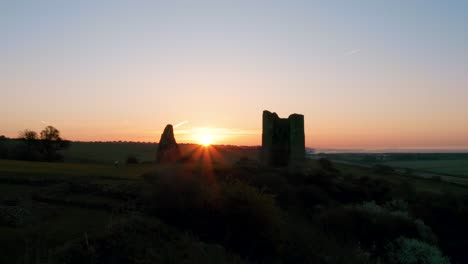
366,73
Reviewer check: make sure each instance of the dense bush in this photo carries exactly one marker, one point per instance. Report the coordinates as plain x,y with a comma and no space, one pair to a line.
447,215
32,147
383,169
314,186
138,240
413,251
312,195
173,193
327,165
373,226
252,222
270,182
227,214
3,150
360,189
232,213
14,216
323,178
132,159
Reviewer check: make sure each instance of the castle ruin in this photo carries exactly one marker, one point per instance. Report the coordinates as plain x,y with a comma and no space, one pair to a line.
283,139
168,150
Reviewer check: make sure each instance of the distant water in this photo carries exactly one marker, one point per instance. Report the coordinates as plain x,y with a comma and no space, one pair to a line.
331,151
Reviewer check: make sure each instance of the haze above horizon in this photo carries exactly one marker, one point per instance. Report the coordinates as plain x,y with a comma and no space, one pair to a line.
365,74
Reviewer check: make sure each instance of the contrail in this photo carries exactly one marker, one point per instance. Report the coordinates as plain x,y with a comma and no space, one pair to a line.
352,52
181,123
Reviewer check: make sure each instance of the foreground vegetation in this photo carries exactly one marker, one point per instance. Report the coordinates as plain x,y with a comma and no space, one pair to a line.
109,152
445,164
452,167
200,212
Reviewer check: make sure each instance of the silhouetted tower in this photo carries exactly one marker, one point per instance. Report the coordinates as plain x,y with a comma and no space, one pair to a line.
283,139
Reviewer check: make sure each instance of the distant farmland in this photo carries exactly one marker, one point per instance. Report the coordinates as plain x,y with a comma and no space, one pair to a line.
448,164
108,152
455,167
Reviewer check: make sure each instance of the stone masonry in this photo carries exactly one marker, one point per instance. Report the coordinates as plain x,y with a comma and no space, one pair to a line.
283,140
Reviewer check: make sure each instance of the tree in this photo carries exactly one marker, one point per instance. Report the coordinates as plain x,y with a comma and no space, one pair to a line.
52,143
30,149
50,133
3,147
28,135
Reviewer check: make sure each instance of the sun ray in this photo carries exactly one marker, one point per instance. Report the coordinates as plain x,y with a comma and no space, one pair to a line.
205,136
205,139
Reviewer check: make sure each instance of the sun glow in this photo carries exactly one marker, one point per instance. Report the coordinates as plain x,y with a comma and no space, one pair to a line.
205,139
204,136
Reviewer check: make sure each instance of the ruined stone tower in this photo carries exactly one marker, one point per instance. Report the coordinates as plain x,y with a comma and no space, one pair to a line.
283,139
168,150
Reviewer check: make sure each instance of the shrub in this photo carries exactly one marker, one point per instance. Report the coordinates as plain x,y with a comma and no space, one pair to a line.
14,216
131,159
412,251
306,243
373,226
383,169
135,239
397,205
173,193
311,195
22,151
399,208
437,178
232,213
447,215
362,189
327,165
322,178
252,221
3,150
244,158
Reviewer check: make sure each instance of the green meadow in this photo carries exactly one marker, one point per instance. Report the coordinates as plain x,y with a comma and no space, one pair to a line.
454,167
48,170
108,152
220,206
442,164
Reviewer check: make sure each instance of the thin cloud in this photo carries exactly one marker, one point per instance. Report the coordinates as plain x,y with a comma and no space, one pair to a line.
352,52
46,123
225,131
181,123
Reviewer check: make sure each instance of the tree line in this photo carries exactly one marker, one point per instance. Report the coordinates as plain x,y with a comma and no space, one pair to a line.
32,146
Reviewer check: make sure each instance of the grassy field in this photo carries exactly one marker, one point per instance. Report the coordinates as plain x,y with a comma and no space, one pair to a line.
64,201
456,167
46,170
55,206
108,152
416,183
448,164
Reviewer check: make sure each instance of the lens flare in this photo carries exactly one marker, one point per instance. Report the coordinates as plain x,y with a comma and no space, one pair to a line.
205,140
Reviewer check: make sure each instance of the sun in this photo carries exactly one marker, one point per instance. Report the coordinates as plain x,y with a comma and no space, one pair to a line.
205,139
205,136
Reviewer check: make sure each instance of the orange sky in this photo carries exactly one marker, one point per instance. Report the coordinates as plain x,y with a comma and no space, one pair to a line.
368,75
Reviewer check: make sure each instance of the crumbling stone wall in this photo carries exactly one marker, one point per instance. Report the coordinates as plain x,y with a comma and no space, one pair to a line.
283,139
168,150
